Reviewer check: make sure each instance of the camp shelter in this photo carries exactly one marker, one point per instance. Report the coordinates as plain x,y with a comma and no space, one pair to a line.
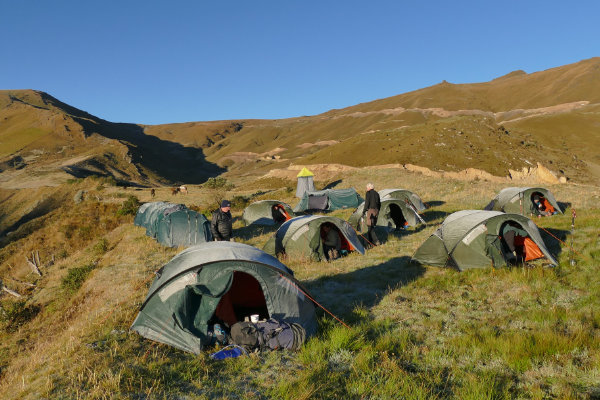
403,194
471,239
267,212
520,200
329,200
173,225
302,236
305,182
219,282
393,213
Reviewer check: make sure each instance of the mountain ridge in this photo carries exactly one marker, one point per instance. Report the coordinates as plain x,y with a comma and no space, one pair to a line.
512,121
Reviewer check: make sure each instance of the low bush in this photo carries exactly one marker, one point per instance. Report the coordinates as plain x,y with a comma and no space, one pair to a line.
14,314
75,278
129,206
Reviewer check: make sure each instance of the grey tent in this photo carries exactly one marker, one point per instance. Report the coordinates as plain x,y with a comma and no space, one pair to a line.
394,213
403,194
267,212
173,224
302,236
305,182
471,239
219,282
520,200
329,200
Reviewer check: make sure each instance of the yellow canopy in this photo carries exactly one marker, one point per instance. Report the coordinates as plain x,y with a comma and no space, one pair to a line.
304,172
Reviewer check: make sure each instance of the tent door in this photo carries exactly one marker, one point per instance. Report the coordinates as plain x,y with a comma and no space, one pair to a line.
493,248
244,298
317,202
397,216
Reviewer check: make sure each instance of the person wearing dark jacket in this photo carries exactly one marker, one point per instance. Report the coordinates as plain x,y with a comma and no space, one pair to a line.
221,223
371,211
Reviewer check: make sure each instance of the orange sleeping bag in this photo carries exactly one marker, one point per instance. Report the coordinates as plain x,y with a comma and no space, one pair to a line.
530,249
548,207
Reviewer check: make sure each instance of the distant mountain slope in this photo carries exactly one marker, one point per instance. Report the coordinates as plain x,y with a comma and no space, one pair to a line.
510,122
40,133
514,121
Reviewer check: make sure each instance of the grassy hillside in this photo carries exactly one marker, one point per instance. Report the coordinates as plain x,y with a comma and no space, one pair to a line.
549,115
511,122
43,139
415,332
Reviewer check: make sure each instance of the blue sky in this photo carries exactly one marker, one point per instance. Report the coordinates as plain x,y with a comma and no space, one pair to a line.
157,62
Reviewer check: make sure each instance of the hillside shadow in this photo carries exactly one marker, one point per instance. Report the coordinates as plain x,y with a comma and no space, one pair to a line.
434,203
554,245
171,161
44,207
366,286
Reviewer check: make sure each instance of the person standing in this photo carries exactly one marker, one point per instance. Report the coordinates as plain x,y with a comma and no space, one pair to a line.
221,223
371,211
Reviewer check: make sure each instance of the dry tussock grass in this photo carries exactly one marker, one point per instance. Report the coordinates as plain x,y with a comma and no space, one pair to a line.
417,332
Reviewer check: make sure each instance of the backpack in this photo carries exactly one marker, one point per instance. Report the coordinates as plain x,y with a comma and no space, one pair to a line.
268,335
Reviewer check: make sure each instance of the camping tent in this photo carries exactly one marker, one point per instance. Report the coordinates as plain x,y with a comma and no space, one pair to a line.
302,236
305,182
394,213
520,200
173,224
403,194
267,212
470,239
219,282
328,200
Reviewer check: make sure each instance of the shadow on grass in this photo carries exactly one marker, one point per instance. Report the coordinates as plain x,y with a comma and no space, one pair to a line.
434,203
564,206
253,230
365,286
551,238
333,184
432,215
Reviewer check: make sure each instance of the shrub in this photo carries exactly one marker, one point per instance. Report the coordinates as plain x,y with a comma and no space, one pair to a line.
218,183
102,246
239,202
129,206
75,278
15,314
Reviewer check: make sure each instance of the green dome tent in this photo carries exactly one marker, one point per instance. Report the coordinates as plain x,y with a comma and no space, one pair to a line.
302,236
329,200
173,225
394,213
470,239
403,194
219,281
267,212
520,200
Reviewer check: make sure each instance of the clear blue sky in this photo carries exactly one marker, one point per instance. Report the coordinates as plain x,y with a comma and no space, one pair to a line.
157,62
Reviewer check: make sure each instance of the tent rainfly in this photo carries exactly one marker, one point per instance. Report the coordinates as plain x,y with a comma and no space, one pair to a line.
219,282
403,194
520,200
267,212
302,236
305,182
329,200
471,239
173,225
394,213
